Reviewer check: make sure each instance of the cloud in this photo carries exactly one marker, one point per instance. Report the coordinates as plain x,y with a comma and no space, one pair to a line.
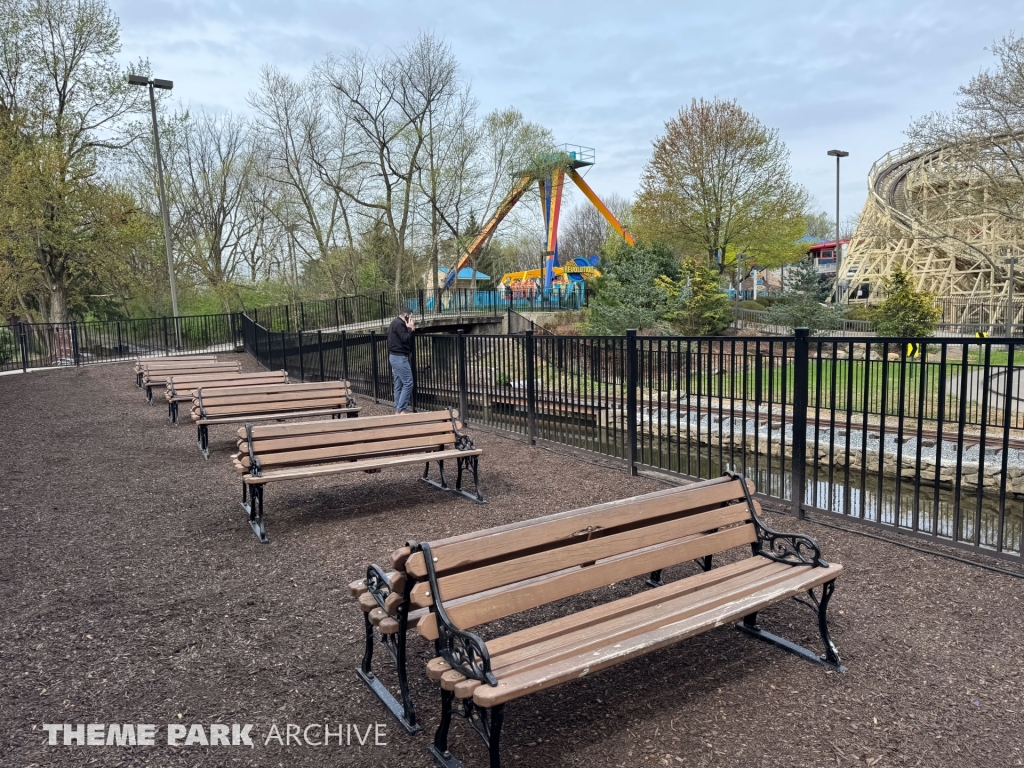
609,74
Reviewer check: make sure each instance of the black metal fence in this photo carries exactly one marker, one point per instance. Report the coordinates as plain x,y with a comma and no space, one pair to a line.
378,309
41,345
922,437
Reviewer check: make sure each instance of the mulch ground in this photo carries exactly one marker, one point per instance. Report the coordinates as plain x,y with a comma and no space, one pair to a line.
133,591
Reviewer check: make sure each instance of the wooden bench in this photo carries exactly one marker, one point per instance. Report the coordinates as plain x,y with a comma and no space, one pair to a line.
156,374
269,402
141,361
184,388
468,581
315,448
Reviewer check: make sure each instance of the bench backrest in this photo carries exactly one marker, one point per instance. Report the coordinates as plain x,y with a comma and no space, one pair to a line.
315,442
188,383
215,402
540,561
143,361
154,374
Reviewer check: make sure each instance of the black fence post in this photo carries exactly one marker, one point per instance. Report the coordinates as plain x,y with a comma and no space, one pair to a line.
302,365
415,379
167,342
531,389
344,356
284,355
320,352
631,385
423,306
799,465
337,315
287,318
373,361
302,316
462,376
23,343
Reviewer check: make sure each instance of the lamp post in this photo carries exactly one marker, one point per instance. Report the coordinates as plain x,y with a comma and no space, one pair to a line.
837,154
166,85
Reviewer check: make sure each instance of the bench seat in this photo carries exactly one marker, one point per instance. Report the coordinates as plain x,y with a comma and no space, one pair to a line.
184,388
269,402
572,647
477,579
157,374
310,449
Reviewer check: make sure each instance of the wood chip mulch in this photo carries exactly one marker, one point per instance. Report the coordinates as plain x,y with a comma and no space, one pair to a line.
133,591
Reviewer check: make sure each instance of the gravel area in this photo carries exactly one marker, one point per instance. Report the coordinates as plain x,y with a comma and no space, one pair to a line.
133,591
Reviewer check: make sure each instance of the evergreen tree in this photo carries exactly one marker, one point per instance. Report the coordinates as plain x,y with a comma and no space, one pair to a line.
802,307
701,307
906,311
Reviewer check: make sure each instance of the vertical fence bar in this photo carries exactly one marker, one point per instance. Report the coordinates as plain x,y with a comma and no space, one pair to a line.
344,357
531,389
463,377
74,343
320,352
631,385
373,360
302,367
798,466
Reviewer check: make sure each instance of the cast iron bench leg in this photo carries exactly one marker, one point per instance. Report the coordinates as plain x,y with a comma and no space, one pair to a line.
831,656
472,463
404,712
255,510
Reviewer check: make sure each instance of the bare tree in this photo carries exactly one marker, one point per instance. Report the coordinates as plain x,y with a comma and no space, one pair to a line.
971,189
219,216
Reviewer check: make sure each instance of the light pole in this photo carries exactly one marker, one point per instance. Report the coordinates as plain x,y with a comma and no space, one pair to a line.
837,154
166,85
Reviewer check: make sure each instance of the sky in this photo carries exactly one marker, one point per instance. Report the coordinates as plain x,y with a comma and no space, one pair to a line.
848,75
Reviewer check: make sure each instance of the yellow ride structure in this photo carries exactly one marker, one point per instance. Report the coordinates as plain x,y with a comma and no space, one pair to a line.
549,172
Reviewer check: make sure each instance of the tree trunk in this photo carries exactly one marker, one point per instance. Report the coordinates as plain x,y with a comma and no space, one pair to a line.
58,305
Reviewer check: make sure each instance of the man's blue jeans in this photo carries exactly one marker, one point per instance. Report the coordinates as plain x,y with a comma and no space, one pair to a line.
402,373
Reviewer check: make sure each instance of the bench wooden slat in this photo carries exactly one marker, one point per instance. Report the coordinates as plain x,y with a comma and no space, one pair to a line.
347,437
585,551
599,613
674,605
312,455
359,466
224,397
295,387
517,599
509,541
364,422
515,686
274,415
215,411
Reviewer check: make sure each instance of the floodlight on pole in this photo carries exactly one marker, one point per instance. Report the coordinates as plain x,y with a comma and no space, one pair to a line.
166,85
837,154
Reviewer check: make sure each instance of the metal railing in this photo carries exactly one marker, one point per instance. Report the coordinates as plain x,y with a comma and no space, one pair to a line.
42,345
927,440
363,312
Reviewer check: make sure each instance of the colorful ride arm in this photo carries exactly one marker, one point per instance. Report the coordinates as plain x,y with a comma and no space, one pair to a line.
592,196
488,229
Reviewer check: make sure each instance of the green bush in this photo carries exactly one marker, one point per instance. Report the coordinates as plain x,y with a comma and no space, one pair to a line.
861,312
756,306
906,311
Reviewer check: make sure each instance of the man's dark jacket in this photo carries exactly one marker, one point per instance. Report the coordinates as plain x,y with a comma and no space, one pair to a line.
399,338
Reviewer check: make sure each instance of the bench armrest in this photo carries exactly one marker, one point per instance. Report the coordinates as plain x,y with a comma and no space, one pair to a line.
789,548
465,652
378,585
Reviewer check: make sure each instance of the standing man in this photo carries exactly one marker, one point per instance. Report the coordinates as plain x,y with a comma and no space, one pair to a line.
399,352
